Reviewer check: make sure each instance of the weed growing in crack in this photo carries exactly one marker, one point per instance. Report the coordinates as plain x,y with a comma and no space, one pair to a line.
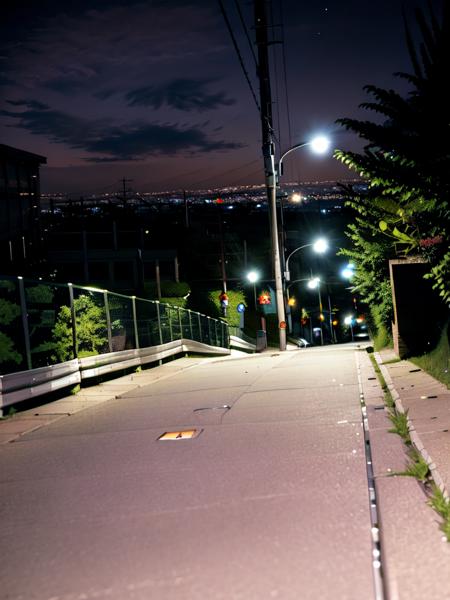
441,505
400,425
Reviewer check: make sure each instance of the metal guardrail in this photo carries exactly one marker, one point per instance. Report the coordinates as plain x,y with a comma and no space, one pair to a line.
55,335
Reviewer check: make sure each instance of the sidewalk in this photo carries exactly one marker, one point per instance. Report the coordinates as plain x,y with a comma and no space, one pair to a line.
427,402
30,420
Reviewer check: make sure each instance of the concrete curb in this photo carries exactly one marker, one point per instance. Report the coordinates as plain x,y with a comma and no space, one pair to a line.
415,438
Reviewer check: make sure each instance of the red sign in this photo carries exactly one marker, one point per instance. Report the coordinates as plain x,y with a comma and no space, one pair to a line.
264,298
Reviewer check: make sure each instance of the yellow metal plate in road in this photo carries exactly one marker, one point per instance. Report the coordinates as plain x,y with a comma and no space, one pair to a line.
179,435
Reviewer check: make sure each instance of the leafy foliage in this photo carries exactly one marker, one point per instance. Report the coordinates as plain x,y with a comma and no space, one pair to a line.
9,311
406,161
169,289
7,352
235,297
90,326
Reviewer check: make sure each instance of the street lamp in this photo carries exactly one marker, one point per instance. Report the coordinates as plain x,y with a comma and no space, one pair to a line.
348,271
349,321
273,172
319,246
319,145
313,284
253,277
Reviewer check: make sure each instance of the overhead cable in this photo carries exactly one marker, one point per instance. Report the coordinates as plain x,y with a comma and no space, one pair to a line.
236,47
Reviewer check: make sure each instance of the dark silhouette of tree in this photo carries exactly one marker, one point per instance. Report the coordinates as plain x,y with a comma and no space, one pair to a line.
406,162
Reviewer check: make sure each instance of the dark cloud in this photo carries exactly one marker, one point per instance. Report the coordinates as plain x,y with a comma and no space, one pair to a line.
132,142
181,94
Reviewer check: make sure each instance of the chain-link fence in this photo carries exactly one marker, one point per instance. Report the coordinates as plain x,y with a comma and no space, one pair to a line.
44,324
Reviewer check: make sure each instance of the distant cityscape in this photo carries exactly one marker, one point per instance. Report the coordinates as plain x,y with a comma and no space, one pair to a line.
324,196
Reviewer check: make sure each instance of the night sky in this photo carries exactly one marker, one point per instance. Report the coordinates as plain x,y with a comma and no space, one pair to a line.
153,91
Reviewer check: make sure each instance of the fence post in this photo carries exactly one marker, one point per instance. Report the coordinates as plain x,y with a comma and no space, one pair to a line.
74,326
215,331
136,334
209,329
200,334
108,320
169,315
190,325
181,324
159,323
26,332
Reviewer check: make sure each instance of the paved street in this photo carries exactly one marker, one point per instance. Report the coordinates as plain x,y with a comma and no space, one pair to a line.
270,499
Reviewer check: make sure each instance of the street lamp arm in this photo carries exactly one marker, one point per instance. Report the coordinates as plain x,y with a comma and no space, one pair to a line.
298,281
296,147
293,252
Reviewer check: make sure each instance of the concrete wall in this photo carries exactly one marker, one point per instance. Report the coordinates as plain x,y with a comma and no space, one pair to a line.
418,311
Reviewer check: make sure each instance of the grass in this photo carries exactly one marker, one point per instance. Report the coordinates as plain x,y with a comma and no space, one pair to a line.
392,361
11,412
388,399
382,339
400,425
437,362
441,505
417,466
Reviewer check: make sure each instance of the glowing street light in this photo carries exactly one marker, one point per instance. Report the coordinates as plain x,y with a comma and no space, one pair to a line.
253,277
313,283
348,271
348,320
319,246
319,144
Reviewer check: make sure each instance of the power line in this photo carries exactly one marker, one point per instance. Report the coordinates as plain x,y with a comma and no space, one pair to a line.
236,47
226,172
245,28
283,49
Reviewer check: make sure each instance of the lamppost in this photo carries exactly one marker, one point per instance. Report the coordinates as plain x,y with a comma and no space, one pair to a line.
320,246
349,321
319,144
313,284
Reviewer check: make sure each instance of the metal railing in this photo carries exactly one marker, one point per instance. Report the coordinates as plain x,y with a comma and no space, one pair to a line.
54,335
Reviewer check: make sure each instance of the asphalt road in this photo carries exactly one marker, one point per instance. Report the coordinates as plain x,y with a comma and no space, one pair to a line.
269,500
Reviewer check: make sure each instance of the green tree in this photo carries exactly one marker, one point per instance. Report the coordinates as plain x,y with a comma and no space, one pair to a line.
9,311
90,326
406,162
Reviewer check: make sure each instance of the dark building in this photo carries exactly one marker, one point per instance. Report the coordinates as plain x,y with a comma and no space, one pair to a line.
19,210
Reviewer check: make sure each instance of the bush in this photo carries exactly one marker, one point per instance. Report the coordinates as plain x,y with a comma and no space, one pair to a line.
169,289
235,297
437,362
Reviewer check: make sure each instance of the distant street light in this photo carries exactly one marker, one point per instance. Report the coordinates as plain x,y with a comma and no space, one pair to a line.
313,284
348,271
253,277
349,321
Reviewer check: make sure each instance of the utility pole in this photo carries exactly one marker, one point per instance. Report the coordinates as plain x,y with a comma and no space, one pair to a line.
125,190
222,251
268,149
186,210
